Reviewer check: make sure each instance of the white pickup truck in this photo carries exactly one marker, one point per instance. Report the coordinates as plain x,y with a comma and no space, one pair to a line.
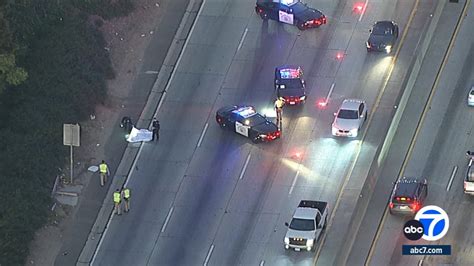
469,178
307,224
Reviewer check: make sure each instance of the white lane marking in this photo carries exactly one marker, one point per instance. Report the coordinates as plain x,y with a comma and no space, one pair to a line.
420,262
149,127
329,94
242,40
363,9
452,178
294,182
167,220
202,134
102,237
151,72
245,166
262,263
208,255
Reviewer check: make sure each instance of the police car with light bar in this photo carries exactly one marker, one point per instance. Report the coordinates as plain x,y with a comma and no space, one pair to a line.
289,84
245,121
290,12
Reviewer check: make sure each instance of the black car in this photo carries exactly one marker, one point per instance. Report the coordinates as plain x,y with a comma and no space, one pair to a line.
383,36
408,196
289,84
245,121
290,12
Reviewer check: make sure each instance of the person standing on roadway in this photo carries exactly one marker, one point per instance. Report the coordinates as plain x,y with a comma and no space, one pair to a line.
117,201
279,103
104,172
126,199
155,129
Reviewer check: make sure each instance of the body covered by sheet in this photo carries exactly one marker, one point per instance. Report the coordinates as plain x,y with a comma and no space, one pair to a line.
137,135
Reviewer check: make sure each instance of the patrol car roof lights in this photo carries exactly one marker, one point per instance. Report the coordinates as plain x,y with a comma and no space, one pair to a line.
288,2
289,73
245,112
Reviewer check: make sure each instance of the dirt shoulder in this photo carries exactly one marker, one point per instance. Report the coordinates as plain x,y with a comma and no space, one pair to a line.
127,38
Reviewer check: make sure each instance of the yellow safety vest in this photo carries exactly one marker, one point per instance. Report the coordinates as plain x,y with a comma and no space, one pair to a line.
126,193
117,197
103,168
279,103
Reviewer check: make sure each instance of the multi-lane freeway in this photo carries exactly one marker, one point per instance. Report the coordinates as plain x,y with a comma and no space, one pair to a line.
202,195
437,153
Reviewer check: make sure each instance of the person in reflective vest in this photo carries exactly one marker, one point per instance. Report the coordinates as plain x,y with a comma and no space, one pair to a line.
104,172
279,109
117,201
126,198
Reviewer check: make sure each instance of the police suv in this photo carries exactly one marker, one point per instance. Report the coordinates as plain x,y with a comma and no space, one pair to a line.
289,84
290,12
245,121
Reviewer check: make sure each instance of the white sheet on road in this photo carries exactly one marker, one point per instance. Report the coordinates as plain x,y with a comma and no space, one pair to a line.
137,135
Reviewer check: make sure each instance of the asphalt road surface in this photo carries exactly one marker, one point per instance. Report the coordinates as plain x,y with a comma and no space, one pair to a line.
202,195
439,156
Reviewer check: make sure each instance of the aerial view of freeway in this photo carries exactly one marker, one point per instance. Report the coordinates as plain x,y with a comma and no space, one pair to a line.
367,166
343,178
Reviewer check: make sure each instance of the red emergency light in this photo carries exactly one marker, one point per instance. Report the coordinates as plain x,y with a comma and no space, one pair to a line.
322,103
358,7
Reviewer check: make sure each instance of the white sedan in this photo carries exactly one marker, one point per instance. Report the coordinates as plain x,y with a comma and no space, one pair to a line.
470,97
350,117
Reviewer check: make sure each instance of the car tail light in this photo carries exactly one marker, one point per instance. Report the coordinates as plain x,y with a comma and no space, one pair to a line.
415,206
218,119
324,20
259,9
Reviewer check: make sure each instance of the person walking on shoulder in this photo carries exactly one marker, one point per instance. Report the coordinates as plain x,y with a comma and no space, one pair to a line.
155,129
117,201
104,172
126,199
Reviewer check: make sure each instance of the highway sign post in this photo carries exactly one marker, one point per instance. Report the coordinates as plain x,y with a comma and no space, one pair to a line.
71,137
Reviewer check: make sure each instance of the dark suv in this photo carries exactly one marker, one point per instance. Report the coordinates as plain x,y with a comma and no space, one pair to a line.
408,196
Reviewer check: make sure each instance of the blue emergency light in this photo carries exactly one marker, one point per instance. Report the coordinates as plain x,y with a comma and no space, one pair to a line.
245,111
289,73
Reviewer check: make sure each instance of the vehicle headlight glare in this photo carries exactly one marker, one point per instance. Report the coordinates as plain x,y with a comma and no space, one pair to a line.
354,132
310,242
388,48
287,240
302,98
334,130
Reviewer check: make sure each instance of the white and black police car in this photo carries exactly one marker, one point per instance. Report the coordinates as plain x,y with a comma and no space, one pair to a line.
291,12
289,84
245,121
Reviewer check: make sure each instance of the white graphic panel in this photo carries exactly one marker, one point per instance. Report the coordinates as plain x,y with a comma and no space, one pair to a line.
285,17
241,129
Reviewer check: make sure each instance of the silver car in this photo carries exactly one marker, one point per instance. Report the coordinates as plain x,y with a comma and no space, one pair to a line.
470,97
350,117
